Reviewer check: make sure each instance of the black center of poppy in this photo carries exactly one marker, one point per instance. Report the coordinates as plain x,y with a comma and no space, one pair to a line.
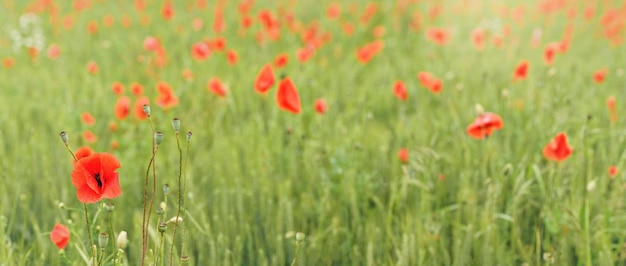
97,177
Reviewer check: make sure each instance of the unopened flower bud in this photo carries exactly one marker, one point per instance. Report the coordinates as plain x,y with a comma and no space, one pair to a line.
189,136
299,236
64,137
162,227
175,219
122,240
158,138
479,109
103,240
166,188
146,109
176,125
159,210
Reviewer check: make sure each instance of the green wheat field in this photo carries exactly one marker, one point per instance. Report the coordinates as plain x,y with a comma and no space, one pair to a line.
405,132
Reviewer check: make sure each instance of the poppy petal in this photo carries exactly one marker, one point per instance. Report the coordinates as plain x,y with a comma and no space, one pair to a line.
287,96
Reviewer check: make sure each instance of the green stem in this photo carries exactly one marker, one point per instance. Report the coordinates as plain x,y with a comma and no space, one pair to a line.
180,173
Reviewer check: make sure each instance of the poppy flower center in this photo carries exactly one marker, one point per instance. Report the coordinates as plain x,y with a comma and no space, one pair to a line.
97,177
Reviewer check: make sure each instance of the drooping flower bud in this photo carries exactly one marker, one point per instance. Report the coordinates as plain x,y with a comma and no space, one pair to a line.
158,138
64,137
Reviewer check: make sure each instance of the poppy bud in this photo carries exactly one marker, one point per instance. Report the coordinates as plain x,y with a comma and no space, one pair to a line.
176,125
479,109
103,240
122,240
109,206
162,227
175,219
158,138
61,205
146,109
166,188
189,136
64,137
300,236
160,210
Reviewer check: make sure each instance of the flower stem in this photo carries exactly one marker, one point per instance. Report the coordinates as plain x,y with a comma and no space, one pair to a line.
180,198
94,255
146,219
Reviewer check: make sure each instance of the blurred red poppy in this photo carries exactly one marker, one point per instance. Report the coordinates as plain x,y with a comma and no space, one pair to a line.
400,91
216,87
92,27
613,171
333,11
95,178
265,80
54,51
320,106
439,36
138,107
599,75
232,56
403,155
217,45
167,11
521,70
122,108
87,118
558,149
200,51
60,236
166,99
610,104
117,88
136,89
484,125
287,96
429,81
281,60
8,62
365,53
89,136
92,67
151,43
478,38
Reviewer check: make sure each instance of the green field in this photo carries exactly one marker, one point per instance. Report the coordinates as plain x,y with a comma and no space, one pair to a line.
256,174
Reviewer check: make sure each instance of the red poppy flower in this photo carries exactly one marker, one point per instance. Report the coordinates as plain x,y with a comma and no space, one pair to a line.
365,53
333,11
478,38
187,74
197,24
557,149
218,22
320,106
610,104
403,155
108,21
550,52
484,125
112,126
217,45
167,99
232,56
8,62
60,236
54,51
122,108
304,54
378,31
200,51
613,171
265,80
92,67
92,27
95,178
246,21
138,108
117,88
87,118
521,70
287,96
167,11
216,87
400,91
439,36
599,75
281,60
348,28
136,89
81,152
115,144
151,43
429,81
89,136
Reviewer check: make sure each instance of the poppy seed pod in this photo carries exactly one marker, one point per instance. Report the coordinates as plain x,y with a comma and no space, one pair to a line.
176,125
64,137
158,138
146,109
189,136
103,240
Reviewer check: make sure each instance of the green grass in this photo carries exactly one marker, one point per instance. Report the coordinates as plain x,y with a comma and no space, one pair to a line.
256,175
